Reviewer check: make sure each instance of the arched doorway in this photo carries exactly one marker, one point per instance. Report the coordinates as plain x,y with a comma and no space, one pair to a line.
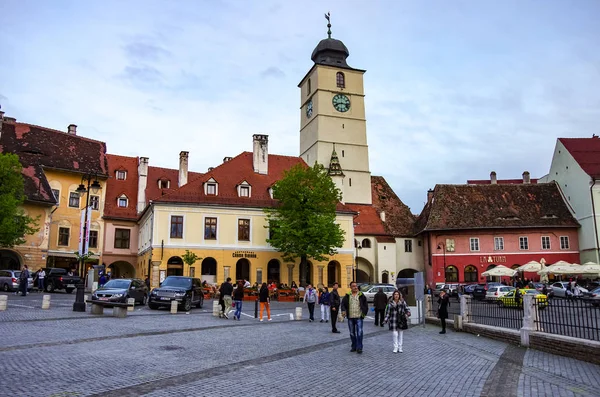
10,260
121,269
451,274
407,273
362,277
306,270
175,266
208,270
273,271
333,273
242,269
385,277
364,271
471,274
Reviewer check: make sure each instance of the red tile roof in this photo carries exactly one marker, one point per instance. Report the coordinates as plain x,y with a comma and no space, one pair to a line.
499,181
155,174
40,147
116,187
586,151
464,207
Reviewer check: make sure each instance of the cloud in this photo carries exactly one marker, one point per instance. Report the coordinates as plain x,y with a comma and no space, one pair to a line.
145,52
273,72
142,74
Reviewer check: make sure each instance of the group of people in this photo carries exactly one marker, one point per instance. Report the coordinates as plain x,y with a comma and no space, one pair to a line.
232,298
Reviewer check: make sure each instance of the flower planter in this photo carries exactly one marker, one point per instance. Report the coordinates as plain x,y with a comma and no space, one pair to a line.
289,298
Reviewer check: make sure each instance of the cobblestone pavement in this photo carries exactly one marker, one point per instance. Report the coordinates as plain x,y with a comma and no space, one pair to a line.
200,355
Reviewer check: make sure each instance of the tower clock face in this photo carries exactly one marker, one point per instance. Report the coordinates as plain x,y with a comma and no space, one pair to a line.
341,103
309,108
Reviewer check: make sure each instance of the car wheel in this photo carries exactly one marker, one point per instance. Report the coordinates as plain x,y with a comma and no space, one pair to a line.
69,290
144,300
5,287
200,302
50,288
153,306
187,305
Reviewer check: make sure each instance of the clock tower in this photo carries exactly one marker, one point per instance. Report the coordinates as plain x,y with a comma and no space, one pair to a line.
332,119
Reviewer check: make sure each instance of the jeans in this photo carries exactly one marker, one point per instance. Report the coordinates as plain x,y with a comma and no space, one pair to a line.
238,309
355,326
379,317
23,287
325,312
264,305
41,284
311,310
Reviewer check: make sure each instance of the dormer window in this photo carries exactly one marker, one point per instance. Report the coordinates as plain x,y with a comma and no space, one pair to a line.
122,201
121,175
164,184
211,188
244,191
340,80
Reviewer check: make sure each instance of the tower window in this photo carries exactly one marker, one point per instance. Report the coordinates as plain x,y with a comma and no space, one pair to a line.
308,87
342,153
350,181
340,80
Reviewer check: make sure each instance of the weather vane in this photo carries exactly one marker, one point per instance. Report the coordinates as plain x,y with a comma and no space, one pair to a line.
328,17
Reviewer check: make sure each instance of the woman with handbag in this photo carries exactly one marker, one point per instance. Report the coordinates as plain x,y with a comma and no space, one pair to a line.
396,315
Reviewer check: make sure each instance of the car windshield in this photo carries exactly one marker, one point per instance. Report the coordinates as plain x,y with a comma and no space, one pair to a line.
17,274
121,284
532,292
176,282
364,288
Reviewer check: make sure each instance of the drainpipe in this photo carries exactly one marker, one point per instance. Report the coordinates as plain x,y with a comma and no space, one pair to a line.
594,215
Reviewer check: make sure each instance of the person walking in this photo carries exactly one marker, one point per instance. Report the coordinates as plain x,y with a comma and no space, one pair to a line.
443,303
238,298
355,308
41,276
265,301
226,291
23,280
334,305
380,302
324,300
310,297
396,315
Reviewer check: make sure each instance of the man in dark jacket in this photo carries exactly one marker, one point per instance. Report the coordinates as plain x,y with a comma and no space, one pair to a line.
380,302
226,291
334,302
24,280
355,307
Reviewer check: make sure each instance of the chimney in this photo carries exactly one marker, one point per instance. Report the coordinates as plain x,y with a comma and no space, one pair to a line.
493,178
210,169
142,182
260,158
183,168
526,178
382,216
429,196
72,129
226,159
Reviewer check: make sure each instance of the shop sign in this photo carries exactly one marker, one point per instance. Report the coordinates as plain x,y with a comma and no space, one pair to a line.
244,254
492,259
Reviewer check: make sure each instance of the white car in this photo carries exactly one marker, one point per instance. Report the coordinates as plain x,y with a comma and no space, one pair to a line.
560,289
497,291
370,293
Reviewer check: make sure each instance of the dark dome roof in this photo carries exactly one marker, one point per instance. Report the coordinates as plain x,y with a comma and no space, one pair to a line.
330,52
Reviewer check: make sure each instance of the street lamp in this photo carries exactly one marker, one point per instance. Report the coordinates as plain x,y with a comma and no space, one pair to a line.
358,248
94,187
443,246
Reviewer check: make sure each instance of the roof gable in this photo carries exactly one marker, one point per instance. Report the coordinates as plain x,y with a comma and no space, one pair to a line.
586,152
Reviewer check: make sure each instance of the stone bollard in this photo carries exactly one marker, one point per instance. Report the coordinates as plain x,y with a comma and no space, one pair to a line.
174,307
216,308
86,298
298,313
130,301
3,302
46,302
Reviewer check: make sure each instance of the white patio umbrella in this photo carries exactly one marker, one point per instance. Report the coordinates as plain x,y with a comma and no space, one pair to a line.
560,267
532,266
590,268
499,271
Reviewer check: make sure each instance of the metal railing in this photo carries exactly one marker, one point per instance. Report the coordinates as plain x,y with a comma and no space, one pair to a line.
578,318
492,313
453,307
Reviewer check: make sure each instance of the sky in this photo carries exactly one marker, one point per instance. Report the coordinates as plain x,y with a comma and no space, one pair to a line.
454,89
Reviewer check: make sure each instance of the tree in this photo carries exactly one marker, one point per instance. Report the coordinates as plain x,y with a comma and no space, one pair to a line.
14,224
303,225
189,258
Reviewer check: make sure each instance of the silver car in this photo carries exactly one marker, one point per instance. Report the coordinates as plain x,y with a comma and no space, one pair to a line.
9,280
559,289
370,292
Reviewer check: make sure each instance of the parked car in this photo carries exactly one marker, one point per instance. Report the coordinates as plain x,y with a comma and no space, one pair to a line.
451,289
496,291
540,288
508,300
559,289
480,290
370,293
187,291
365,287
121,289
58,278
469,289
9,280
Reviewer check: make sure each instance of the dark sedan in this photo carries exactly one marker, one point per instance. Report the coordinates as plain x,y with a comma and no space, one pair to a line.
186,291
119,290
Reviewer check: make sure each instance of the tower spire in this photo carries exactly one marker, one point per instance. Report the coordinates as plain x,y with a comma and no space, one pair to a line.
328,17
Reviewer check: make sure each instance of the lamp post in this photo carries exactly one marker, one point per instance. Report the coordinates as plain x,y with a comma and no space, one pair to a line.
94,187
443,246
358,248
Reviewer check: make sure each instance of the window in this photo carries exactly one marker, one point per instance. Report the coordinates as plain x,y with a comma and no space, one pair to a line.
340,80
407,245
366,243
164,184
523,243
470,274
63,236
449,245
474,243
74,199
308,87
122,238
211,188
244,229
244,191
564,242
95,202
93,241
545,242
451,274
350,182
498,243
210,228
121,175
56,194
176,226
122,202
